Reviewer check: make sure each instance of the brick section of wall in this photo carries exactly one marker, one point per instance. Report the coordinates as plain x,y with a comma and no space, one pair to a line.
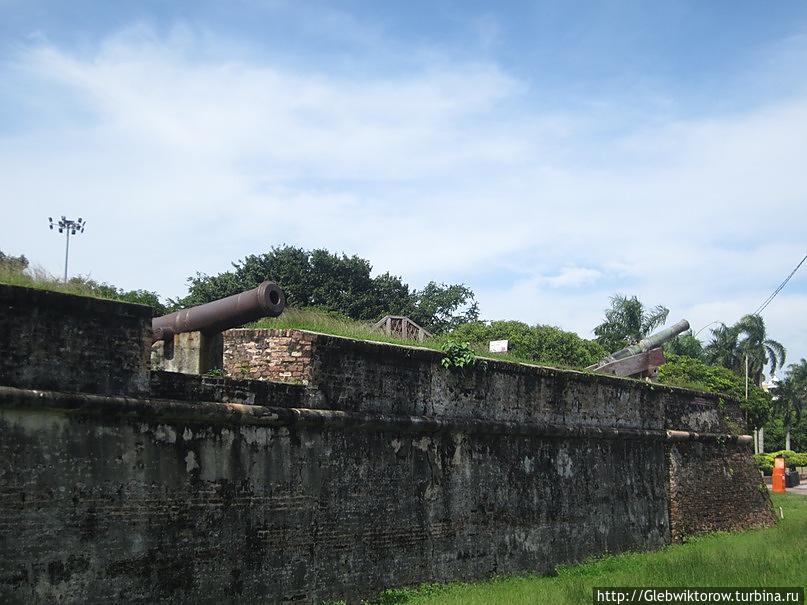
50,340
264,354
714,487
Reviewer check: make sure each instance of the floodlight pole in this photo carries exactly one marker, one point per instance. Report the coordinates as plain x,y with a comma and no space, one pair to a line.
66,254
69,227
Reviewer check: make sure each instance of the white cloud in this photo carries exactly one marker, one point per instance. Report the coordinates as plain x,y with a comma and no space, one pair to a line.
449,173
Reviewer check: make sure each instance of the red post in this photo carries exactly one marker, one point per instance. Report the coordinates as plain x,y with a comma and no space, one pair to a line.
778,476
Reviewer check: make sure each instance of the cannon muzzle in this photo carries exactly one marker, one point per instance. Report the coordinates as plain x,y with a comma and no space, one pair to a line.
267,300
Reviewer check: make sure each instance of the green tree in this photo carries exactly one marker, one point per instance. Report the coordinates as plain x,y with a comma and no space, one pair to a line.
104,290
748,337
686,344
627,321
289,266
343,283
790,395
13,264
340,283
723,348
393,297
206,288
442,307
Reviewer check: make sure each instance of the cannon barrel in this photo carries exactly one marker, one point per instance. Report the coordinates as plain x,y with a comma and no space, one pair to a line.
652,341
643,346
267,300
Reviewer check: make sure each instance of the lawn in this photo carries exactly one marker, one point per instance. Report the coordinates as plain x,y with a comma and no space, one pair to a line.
766,557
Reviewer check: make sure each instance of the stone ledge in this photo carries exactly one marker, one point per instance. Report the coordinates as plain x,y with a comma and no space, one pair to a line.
34,297
245,414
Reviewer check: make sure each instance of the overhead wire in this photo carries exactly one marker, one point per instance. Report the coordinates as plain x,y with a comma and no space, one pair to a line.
770,298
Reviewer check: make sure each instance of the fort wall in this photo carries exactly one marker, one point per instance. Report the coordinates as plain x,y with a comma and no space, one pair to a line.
384,470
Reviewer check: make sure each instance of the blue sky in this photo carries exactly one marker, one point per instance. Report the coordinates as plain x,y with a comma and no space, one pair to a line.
546,154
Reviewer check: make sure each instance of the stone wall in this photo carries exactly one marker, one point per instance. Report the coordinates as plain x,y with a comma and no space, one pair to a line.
72,343
385,469
199,506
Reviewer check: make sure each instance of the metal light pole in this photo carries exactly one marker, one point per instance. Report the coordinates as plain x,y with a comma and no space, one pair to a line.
68,227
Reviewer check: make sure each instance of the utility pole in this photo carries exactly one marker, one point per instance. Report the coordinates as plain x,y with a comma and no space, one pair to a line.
756,432
68,227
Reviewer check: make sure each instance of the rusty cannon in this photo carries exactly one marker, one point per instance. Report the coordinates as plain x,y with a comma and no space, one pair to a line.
641,359
267,300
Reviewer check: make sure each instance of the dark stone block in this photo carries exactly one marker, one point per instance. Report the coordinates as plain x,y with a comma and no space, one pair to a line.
72,343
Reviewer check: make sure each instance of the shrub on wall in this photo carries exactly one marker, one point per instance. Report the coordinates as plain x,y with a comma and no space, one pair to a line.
539,343
692,373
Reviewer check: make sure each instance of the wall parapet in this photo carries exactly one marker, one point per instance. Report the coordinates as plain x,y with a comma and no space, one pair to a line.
73,343
364,376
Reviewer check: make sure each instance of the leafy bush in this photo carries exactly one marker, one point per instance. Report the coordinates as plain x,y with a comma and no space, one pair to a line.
457,354
683,371
541,344
765,461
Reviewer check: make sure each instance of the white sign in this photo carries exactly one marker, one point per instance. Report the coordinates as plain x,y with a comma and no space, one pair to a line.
498,346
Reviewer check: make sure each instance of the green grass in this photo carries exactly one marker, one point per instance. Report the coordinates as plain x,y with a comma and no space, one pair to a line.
41,280
324,322
776,556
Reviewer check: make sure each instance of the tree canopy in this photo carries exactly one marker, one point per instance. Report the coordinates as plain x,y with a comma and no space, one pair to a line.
686,344
730,345
319,278
790,397
13,263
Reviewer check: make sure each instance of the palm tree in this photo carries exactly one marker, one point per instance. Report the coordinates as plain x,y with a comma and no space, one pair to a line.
790,395
627,322
723,349
761,351
731,344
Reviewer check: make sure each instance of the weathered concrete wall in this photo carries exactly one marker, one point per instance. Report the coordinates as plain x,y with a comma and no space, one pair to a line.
370,377
188,353
72,343
117,506
187,387
384,470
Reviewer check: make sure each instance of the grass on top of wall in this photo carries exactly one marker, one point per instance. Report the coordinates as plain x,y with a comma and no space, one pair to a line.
42,280
335,324
775,556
